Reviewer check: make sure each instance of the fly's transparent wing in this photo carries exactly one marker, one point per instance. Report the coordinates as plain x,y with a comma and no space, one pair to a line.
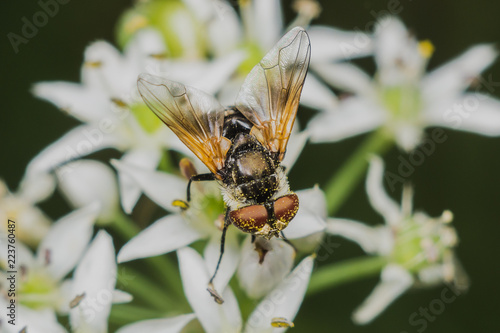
270,95
194,116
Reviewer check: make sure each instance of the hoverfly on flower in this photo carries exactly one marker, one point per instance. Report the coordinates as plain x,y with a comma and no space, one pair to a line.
242,145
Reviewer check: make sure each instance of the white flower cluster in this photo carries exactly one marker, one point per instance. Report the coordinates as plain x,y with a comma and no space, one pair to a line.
74,272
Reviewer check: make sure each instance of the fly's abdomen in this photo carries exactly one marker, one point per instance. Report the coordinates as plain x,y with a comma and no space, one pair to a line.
251,170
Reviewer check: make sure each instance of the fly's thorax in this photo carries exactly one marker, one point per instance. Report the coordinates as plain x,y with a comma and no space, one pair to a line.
235,123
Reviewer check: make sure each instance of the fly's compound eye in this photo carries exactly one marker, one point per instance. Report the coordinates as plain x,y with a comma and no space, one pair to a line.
249,219
286,207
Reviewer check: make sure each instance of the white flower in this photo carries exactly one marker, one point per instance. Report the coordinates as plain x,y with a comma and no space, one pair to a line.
93,287
279,305
31,223
41,283
401,98
163,325
308,232
111,111
418,248
264,264
204,220
83,182
260,27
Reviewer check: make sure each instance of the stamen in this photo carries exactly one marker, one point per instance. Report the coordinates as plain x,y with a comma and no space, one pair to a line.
447,216
426,48
281,322
93,64
118,102
217,298
47,257
76,301
307,10
181,204
158,56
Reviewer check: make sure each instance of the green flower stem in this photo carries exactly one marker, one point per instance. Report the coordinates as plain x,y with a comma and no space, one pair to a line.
142,288
345,180
126,313
161,265
334,275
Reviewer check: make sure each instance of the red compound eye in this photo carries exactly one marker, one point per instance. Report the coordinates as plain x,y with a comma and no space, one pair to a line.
249,219
286,207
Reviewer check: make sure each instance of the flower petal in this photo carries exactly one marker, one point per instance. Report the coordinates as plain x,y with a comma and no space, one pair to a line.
221,21
224,30
229,261
78,142
294,148
311,216
258,278
395,280
164,325
317,95
330,45
120,297
353,116
396,53
160,187
139,51
37,188
372,240
95,279
84,104
165,235
268,21
347,77
379,199
431,275
213,317
476,113
129,190
67,239
218,72
105,69
35,223
86,181
455,76
284,301
408,136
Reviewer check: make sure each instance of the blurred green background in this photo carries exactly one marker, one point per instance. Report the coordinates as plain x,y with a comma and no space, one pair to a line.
462,175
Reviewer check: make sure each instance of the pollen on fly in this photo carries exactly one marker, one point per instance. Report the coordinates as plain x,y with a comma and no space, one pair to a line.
242,145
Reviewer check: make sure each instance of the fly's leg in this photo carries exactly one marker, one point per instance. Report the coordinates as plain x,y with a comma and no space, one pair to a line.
211,287
286,240
196,178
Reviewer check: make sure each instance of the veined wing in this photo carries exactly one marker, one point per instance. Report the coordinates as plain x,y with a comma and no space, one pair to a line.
194,116
270,95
